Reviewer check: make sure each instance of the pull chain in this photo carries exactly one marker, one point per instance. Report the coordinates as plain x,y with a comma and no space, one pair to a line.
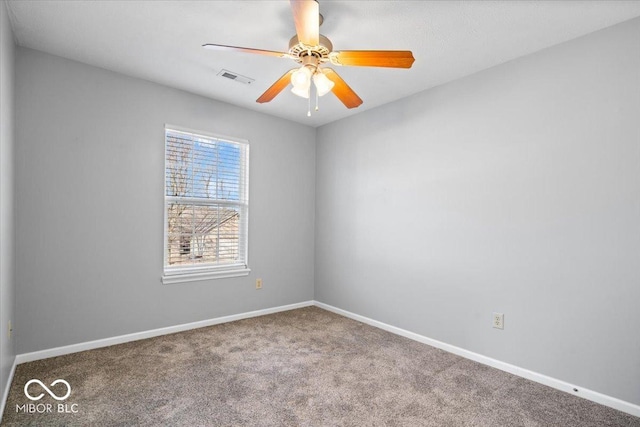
309,103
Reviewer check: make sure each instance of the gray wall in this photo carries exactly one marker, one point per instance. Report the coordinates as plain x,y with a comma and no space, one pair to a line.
90,170
514,190
7,219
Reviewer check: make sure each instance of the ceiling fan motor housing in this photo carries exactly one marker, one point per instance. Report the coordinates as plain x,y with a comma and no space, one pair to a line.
299,51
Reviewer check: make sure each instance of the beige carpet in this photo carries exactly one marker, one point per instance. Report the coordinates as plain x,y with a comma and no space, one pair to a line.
305,367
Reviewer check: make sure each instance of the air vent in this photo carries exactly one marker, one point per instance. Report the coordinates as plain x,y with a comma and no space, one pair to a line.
235,77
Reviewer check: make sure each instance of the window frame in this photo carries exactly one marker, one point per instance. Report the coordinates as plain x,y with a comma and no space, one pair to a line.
191,273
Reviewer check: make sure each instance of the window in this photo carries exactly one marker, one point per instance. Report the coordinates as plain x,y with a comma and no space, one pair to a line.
206,206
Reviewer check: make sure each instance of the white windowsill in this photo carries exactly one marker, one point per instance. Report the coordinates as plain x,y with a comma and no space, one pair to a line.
204,275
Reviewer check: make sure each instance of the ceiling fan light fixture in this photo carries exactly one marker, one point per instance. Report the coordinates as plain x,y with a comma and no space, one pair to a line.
301,91
301,79
322,82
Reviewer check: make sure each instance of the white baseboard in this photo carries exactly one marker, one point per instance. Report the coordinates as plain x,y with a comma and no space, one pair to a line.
90,345
594,396
5,393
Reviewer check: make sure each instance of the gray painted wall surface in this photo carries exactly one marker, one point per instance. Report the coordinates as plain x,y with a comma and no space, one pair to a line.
515,190
90,170
7,218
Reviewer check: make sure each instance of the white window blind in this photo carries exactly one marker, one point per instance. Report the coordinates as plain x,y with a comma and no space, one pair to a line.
206,204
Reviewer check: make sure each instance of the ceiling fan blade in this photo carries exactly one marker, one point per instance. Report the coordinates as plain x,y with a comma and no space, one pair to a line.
342,90
373,58
277,87
306,15
245,50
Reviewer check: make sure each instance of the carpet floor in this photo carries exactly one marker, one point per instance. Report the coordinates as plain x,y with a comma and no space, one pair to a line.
305,367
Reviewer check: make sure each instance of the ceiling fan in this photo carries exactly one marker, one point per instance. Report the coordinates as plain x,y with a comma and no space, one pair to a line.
311,49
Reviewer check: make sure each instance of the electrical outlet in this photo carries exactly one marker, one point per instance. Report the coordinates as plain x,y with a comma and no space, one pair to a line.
498,320
10,330
258,283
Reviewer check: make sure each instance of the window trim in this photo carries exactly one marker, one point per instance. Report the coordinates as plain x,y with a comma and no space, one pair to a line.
185,274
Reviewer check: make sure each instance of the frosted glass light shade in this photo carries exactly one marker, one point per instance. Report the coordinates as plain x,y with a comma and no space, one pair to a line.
301,78
322,82
301,92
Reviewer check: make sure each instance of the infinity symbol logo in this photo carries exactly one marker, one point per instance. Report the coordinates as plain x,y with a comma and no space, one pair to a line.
52,394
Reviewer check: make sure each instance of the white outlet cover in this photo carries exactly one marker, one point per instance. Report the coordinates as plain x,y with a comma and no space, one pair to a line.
498,320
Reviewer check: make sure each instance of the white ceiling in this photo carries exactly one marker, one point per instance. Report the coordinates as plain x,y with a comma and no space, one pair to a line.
161,41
